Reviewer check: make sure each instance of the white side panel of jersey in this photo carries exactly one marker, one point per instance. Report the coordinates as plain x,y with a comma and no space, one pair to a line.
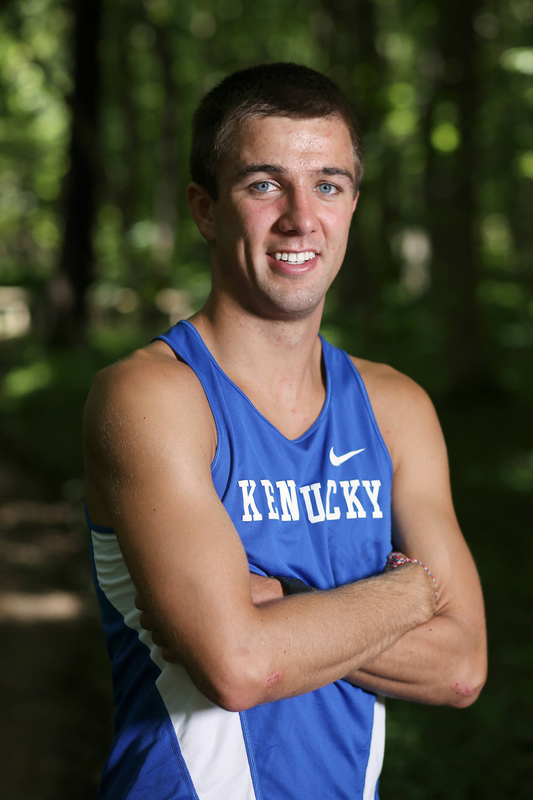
377,750
210,739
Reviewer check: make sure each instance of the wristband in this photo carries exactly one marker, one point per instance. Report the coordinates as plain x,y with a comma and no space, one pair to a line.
292,585
397,559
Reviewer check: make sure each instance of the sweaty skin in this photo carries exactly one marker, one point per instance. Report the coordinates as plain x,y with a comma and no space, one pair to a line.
285,187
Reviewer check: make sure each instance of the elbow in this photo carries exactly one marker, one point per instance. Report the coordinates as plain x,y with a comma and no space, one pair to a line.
232,695
236,699
466,684
237,683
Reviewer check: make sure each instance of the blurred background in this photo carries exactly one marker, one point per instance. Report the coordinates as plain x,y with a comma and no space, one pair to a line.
98,254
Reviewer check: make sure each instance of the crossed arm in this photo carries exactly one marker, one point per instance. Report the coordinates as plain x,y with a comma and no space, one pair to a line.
148,465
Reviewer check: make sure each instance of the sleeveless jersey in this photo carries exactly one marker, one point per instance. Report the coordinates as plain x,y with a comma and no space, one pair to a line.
315,508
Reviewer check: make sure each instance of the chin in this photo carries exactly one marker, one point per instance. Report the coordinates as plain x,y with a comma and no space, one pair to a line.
290,305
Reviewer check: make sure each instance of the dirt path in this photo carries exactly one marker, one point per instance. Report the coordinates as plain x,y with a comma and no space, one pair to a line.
55,695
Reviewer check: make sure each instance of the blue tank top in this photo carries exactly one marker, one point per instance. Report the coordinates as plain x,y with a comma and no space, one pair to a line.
315,508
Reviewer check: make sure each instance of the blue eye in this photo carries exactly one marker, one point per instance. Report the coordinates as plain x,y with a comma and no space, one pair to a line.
263,186
327,188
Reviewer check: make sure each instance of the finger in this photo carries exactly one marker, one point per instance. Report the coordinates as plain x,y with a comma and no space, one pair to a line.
147,621
159,639
170,656
138,602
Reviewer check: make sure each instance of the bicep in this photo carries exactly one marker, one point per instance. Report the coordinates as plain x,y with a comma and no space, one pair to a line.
181,549
424,521
150,455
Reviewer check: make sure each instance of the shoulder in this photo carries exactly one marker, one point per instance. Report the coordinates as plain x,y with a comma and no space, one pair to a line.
403,410
389,389
150,373
149,393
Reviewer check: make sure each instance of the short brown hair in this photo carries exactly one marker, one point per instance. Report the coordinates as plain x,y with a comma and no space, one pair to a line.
283,89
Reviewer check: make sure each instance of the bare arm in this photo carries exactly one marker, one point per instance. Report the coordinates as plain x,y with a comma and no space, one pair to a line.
444,660
150,440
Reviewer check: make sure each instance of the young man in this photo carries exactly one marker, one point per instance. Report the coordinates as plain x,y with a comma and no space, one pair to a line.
240,446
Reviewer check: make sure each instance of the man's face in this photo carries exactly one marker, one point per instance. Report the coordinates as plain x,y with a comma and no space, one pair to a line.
280,224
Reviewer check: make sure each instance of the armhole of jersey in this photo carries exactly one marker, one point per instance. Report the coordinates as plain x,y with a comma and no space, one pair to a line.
212,406
370,412
93,526
219,429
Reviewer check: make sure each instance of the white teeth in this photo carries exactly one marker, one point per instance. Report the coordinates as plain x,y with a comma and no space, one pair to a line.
295,258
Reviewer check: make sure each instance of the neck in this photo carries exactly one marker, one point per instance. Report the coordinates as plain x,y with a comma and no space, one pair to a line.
277,363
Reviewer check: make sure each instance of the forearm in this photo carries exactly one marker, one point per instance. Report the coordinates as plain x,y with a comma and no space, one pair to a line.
304,642
442,662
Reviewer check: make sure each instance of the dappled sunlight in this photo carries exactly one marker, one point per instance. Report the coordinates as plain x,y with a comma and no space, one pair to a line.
15,316
30,511
51,545
47,607
175,303
518,59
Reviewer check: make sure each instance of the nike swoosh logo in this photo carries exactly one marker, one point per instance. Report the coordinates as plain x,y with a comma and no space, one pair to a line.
338,460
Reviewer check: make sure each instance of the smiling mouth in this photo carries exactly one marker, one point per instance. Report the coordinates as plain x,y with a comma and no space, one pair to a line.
293,258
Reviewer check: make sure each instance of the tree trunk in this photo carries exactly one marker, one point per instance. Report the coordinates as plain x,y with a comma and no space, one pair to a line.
348,31
166,197
451,202
76,265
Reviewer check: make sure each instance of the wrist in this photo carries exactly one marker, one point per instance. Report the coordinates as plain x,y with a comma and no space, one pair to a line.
264,589
396,560
292,585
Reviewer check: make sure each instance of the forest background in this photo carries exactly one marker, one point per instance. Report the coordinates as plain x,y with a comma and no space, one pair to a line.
98,254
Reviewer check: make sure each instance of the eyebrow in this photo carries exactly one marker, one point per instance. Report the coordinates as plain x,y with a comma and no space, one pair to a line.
251,169
275,169
338,171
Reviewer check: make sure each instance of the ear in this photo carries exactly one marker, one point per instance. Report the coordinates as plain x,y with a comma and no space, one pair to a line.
356,198
201,206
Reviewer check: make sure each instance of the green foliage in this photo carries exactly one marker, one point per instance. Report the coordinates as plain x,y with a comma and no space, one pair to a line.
34,128
157,59
437,274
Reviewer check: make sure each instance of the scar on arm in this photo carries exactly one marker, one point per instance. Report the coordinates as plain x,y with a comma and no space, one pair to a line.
462,688
273,678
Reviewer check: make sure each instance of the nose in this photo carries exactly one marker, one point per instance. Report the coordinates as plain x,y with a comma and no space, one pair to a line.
298,217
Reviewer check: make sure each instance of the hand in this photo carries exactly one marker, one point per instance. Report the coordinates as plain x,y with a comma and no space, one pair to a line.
264,590
149,623
397,560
